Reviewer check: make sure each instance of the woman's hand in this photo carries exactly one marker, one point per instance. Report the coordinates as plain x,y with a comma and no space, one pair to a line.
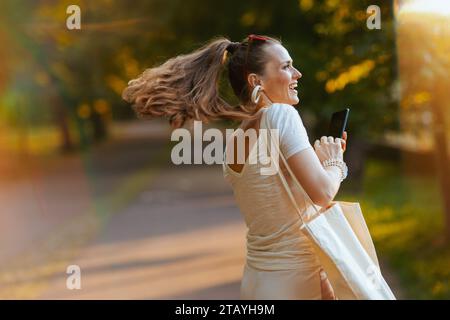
329,147
344,141
325,287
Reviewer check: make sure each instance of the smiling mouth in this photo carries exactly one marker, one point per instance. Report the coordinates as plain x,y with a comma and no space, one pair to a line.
293,87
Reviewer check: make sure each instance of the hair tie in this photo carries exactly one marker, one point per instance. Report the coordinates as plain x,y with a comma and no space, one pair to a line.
232,47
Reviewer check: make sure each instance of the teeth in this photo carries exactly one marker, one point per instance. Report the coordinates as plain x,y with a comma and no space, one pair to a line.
293,86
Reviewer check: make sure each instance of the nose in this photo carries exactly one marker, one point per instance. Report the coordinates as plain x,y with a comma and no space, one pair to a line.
298,74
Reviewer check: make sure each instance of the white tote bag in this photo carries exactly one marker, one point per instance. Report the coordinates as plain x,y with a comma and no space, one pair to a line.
343,244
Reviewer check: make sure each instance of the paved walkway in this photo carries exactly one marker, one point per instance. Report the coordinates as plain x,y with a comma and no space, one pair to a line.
182,238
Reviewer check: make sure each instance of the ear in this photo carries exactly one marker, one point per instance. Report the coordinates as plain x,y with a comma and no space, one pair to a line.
253,80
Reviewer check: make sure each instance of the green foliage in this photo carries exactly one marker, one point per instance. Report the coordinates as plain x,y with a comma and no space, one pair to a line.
119,40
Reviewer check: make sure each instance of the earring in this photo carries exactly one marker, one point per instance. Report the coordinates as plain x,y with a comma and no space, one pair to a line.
255,96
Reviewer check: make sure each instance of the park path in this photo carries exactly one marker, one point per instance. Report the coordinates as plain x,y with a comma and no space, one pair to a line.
182,238
121,211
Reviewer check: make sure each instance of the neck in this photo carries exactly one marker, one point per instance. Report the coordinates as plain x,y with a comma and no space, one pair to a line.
264,102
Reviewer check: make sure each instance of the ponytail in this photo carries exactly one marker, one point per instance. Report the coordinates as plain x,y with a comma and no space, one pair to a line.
186,87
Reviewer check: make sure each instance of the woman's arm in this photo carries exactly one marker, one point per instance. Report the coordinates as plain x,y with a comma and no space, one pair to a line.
321,184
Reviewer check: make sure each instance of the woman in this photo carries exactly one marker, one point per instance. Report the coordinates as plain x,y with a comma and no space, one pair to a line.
281,263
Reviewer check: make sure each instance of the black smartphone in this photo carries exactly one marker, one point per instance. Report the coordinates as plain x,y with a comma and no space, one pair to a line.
338,123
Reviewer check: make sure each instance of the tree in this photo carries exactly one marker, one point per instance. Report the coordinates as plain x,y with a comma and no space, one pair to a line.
424,63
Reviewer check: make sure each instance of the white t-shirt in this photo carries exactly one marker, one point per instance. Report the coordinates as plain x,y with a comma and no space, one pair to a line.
262,199
293,135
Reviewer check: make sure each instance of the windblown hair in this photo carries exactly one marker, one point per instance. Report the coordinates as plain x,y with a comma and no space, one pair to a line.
187,86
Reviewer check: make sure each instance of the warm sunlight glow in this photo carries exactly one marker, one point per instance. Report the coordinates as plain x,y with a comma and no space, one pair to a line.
441,7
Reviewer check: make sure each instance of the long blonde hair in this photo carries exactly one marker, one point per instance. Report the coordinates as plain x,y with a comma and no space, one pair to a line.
186,86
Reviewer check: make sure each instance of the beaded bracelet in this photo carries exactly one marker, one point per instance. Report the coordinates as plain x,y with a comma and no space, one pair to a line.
337,163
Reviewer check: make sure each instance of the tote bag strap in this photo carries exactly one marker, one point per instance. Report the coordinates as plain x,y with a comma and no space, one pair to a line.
283,180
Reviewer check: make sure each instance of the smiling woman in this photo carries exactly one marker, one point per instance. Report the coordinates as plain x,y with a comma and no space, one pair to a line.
280,78
281,262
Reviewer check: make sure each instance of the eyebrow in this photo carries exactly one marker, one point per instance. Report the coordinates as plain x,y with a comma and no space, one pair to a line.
287,61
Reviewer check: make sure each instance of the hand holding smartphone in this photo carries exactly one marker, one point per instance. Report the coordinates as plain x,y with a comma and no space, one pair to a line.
337,127
338,123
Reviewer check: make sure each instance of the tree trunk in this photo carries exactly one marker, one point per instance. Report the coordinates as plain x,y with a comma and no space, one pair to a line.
441,150
99,127
61,119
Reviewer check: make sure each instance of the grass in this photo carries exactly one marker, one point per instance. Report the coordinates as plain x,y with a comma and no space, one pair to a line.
405,216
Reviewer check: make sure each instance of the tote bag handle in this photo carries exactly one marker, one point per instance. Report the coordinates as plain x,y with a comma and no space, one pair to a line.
283,180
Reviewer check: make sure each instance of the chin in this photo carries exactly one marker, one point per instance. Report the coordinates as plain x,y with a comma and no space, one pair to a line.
294,101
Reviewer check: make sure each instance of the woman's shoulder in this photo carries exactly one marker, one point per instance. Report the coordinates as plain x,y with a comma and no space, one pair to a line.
281,109
280,112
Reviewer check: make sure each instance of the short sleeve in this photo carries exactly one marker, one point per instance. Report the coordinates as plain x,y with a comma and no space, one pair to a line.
292,132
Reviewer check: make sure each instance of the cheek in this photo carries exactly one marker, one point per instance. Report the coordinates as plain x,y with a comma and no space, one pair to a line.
283,83
279,84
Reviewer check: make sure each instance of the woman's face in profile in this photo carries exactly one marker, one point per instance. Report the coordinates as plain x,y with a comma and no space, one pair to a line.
280,78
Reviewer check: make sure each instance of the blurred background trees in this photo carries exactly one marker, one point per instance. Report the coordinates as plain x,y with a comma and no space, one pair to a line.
424,66
60,92
72,79
79,74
